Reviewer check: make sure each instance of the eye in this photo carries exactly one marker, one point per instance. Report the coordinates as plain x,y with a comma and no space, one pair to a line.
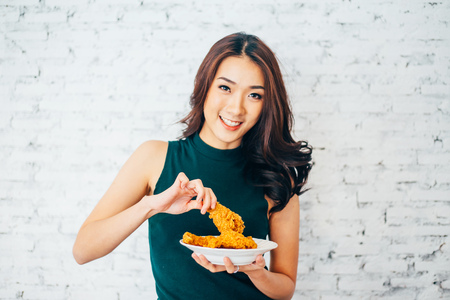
256,96
224,87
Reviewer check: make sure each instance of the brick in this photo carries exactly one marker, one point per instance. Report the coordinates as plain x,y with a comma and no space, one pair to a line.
389,123
74,122
437,122
9,14
77,37
35,35
337,266
348,246
429,195
438,266
436,158
19,70
336,230
118,35
337,89
311,283
418,282
430,292
56,3
398,88
312,247
435,89
416,105
395,294
133,294
304,267
409,231
35,88
19,2
427,214
11,242
385,266
11,174
94,294
46,17
352,283
145,16
371,194
336,296
91,16
445,284
365,105
416,245
336,123
33,121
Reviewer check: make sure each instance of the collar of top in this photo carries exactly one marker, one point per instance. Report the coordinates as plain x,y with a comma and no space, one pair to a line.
214,153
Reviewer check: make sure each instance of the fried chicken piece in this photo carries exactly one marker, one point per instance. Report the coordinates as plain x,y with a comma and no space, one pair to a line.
226,220
229,239
235,240
230,226
204,241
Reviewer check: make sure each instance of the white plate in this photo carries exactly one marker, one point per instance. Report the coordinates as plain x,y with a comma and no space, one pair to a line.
239,257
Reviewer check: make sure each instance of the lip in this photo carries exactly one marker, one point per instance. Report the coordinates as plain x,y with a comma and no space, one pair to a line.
231,128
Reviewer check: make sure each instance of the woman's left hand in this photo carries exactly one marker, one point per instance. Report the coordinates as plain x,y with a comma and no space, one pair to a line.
258,264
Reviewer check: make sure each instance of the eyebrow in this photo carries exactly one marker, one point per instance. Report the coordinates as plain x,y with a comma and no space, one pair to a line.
232,82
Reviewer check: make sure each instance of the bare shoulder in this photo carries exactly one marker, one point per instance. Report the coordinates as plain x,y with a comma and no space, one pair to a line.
153,147
153,154
290,210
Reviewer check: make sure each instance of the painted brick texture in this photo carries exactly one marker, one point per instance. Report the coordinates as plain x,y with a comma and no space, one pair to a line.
83,83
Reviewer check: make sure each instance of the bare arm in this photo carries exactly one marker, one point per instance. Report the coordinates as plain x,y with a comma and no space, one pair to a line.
129,202
279,282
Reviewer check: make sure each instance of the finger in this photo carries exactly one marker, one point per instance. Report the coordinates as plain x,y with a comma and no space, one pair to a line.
200,190
260,261
183,179
198,187
204,262
196,258
230,267
194,205
213,199
206,201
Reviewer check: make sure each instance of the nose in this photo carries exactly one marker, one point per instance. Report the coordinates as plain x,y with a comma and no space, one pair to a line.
235,104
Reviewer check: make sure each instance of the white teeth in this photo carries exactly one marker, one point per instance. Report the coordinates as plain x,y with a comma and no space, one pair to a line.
229,122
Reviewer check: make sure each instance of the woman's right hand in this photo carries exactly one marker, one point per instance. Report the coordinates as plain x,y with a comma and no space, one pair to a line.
177,198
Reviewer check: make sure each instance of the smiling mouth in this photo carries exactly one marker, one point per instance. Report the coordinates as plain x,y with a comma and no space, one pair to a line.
229,122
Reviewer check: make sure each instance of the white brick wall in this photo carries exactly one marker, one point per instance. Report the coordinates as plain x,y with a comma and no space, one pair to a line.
83,83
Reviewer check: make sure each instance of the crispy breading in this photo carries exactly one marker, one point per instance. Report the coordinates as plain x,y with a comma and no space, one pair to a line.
226,220
236,240
230,226
204,241
228,239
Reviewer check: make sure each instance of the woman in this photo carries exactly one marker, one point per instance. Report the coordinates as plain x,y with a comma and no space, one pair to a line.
237,149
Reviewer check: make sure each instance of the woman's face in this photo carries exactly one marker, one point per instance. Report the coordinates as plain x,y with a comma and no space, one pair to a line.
233,103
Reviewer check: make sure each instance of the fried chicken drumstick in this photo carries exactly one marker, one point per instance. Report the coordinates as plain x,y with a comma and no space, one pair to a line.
226,220
230,226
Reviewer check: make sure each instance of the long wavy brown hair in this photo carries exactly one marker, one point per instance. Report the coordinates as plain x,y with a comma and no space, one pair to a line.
275,160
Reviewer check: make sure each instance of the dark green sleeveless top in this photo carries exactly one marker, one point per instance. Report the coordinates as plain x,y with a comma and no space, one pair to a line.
177,275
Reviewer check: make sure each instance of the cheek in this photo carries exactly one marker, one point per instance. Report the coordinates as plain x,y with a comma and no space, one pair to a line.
257,112
212,103
208,107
